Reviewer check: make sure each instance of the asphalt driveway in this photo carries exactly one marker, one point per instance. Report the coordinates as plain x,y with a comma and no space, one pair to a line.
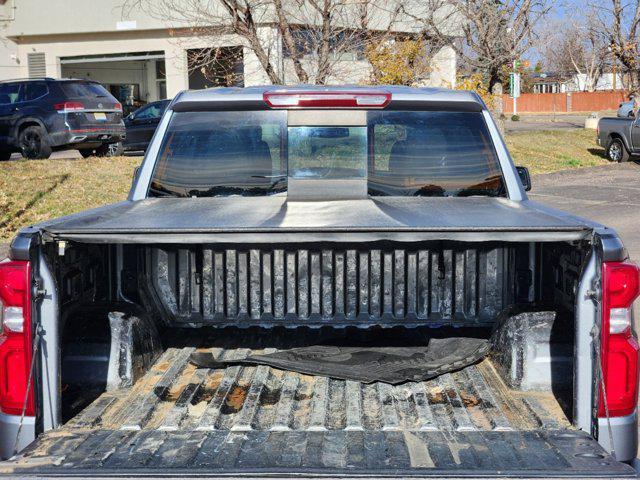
609,194
529,122
550,121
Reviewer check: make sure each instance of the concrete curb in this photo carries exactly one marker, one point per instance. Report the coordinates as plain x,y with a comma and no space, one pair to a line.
608,167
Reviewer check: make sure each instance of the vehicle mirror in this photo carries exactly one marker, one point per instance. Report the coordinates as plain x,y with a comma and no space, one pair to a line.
525,177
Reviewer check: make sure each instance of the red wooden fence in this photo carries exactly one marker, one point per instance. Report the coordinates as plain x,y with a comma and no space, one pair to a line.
566,102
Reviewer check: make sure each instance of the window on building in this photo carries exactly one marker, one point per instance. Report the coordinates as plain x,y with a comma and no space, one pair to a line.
161,74
161,79
345,44
215,67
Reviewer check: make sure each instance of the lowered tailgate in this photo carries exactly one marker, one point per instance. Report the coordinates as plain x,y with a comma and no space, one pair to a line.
259,421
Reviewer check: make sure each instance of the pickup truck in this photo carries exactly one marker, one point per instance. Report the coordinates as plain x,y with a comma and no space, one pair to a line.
320,282
620,137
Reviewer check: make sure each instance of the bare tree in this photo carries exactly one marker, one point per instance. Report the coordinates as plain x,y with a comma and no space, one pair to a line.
619,24
309,40
494,32
576,50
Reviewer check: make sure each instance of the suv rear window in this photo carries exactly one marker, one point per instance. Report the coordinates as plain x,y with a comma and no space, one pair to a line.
399,153
83,90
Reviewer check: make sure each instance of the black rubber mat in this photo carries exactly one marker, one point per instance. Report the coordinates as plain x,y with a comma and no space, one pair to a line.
367,364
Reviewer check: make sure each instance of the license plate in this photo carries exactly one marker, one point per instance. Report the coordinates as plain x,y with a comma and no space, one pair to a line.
100,116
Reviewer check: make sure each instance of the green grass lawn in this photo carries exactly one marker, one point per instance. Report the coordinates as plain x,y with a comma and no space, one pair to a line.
550,151
35,190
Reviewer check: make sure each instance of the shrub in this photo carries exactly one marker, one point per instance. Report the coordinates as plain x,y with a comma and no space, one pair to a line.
476,83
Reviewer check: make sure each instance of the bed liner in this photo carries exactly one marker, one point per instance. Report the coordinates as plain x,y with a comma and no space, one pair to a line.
248,420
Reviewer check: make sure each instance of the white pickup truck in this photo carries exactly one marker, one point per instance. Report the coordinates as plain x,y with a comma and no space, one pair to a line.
320,282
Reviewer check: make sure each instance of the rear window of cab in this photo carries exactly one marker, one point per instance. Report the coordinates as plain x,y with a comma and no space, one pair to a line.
399,153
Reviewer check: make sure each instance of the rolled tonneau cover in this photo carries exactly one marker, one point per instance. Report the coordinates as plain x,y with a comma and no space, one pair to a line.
274,219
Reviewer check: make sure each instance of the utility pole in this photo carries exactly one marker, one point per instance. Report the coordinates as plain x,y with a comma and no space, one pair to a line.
514,86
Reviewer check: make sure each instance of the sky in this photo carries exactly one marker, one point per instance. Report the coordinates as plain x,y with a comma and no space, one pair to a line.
569,9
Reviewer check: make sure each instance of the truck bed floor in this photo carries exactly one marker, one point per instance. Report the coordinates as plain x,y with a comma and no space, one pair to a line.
248,420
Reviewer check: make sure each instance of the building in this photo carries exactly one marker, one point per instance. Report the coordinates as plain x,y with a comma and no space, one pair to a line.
555,83
137,57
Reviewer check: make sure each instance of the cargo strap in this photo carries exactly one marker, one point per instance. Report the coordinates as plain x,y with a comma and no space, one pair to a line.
595,333
35,347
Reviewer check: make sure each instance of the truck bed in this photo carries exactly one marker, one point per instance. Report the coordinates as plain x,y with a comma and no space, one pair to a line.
255,420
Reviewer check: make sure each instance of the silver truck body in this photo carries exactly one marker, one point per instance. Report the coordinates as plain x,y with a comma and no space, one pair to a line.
620,136
141,220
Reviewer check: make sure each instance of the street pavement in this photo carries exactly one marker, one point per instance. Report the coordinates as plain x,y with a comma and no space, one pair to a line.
606,194
535,122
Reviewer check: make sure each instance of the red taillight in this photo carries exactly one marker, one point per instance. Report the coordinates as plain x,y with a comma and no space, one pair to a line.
15,338
69,107
327,99
118,106
620,287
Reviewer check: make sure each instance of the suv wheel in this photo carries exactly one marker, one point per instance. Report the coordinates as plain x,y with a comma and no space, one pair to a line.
616,152
5,155
114,149
33,143
104,150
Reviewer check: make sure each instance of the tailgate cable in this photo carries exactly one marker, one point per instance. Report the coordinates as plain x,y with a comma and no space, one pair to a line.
595,333
36,343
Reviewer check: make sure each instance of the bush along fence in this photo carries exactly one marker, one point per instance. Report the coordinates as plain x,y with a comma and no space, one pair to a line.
565,102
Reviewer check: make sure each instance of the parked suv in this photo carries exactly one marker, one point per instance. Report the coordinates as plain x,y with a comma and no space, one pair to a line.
40,115
142,124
